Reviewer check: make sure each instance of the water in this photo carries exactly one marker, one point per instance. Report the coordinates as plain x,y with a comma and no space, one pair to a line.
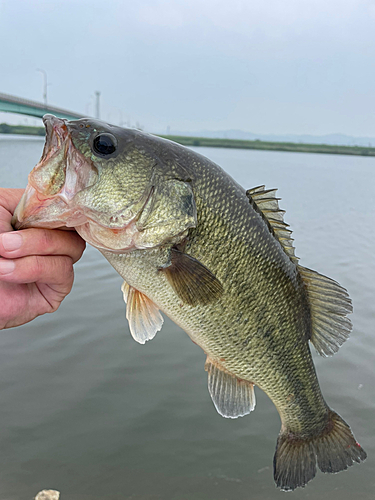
88,411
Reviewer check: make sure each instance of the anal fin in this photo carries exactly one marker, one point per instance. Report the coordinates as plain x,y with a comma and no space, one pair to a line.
232,397
329,305
143,315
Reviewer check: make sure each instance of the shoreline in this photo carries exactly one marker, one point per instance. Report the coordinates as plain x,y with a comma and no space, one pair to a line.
293,147
271,146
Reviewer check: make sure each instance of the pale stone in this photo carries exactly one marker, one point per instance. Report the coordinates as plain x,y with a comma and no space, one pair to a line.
48,495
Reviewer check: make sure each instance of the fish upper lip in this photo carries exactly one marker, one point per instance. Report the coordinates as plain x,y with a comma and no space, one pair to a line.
56,134
51,122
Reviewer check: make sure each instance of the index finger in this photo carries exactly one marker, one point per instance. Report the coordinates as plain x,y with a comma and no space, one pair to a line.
36,241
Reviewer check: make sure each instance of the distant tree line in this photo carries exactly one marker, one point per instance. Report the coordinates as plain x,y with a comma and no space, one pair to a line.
271,146
5,128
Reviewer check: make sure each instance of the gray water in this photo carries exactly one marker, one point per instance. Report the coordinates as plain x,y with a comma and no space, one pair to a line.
88,411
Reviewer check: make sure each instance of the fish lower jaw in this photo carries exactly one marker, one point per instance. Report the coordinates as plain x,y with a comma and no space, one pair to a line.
33,210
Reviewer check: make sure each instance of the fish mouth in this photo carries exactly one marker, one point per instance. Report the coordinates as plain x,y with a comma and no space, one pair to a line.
61,173
56,134
57,190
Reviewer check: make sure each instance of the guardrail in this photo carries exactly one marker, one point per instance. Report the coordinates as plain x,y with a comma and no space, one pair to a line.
13,104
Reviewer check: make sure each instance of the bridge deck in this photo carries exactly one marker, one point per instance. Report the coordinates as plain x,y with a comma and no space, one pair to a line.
13,104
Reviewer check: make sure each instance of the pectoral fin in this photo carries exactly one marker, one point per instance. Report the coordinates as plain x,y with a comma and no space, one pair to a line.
142,314
191,280
231,396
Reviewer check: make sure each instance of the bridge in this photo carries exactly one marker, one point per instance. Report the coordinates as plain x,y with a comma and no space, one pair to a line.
13,104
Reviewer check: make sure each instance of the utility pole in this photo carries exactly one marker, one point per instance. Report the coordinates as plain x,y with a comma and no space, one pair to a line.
97,113
45,86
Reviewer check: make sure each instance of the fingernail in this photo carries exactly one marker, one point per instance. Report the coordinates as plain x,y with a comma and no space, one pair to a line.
11,241
6,266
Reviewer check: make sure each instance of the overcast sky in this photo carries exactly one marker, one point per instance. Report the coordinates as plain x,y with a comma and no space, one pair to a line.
264,66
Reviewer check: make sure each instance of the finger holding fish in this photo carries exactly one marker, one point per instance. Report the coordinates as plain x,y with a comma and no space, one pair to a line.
56,271
36,266
9,199
32,286
26,242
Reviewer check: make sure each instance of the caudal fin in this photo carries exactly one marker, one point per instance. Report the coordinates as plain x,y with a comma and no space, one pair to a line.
335,449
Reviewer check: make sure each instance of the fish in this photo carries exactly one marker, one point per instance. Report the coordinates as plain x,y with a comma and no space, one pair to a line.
219,261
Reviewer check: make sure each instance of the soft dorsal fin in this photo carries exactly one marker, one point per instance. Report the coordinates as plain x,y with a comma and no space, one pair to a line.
231,396
329,304
266,204
142,314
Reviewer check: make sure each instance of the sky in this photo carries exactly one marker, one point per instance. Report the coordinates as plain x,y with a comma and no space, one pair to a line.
270,66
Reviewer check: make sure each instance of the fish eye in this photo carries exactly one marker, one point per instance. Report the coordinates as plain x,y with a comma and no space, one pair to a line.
104,144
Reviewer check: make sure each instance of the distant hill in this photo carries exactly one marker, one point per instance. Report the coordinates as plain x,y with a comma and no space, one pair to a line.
296,147
332,139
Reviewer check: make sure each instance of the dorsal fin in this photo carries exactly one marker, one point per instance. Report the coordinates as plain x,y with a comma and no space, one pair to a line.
329,302
329,306
266,204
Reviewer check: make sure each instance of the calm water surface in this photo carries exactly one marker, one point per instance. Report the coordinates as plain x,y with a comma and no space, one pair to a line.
88,411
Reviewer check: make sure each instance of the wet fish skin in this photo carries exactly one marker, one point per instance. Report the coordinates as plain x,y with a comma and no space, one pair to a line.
153,206
249,329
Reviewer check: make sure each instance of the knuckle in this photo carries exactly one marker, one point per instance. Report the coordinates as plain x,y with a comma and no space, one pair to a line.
68,264
46,239
77,244
37,267
79,248
82,243
54,305
65,266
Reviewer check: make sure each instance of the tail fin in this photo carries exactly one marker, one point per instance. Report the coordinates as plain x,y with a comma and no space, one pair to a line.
295,458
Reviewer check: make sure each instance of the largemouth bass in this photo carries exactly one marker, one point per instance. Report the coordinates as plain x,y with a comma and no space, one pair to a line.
218,260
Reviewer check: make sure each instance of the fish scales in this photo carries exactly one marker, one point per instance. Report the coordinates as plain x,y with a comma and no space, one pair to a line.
188,240
251,337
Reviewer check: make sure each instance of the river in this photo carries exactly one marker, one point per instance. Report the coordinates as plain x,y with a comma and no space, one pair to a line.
91,413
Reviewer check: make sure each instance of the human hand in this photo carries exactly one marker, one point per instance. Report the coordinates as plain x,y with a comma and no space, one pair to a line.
36,266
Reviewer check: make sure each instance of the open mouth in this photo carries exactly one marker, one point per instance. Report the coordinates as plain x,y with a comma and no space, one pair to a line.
61,173
57,195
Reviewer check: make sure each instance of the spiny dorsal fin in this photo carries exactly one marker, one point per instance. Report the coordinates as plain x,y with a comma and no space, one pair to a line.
329,305
266,204
231,396
143,315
